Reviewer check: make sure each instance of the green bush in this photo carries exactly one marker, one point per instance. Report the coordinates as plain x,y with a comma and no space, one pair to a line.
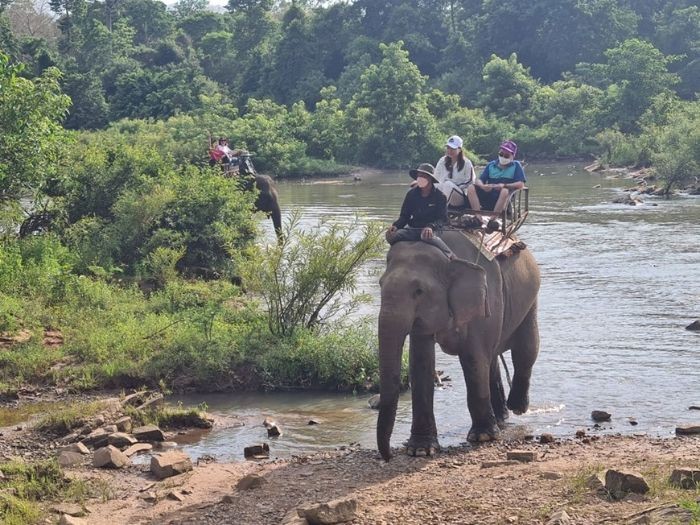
127,206
28,485
616,148
310,276
675,146
344,359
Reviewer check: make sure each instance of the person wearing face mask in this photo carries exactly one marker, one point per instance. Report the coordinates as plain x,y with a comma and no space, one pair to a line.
424,210
499,178
455,172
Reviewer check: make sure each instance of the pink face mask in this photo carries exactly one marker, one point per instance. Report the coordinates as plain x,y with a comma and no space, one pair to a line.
422,182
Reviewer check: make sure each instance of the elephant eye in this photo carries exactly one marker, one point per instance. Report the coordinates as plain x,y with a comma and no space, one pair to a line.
418,292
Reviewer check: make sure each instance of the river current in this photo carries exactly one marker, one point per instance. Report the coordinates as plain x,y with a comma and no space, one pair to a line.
619,284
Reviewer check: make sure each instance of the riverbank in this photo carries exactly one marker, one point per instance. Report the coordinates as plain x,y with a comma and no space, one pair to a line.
461,485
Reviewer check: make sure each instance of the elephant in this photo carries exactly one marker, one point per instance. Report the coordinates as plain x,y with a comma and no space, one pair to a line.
473,311
268,199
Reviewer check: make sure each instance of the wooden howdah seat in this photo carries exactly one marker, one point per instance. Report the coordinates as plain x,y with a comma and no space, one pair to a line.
493,233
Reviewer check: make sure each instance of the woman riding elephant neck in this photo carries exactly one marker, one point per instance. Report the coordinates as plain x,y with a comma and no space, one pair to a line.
424,211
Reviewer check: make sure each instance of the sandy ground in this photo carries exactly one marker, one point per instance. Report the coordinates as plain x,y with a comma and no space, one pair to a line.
459,486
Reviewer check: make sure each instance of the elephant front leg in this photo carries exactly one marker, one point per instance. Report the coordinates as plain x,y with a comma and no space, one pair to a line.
477,370
423,440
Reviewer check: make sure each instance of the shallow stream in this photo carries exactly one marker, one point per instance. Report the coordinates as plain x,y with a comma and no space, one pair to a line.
619,284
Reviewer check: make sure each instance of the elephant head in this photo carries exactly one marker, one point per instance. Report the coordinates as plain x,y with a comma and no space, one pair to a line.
423,294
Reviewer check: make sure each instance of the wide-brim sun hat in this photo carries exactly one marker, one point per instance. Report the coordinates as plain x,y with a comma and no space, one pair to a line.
424,169
454,142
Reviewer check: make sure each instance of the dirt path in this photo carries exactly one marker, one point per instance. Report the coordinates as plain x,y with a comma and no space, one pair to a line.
457,487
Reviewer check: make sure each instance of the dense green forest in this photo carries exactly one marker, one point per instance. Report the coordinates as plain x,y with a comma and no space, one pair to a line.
110,215
374,82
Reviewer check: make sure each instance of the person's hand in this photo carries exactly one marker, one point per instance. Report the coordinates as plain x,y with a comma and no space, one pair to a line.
426,234
413,184
392,229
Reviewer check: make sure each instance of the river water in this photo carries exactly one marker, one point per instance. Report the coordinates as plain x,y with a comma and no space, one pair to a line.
619,284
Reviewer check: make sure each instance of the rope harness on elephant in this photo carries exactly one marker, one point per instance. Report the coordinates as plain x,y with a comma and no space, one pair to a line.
489,244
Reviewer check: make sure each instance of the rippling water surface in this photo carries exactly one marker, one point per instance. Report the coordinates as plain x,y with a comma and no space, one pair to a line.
619,284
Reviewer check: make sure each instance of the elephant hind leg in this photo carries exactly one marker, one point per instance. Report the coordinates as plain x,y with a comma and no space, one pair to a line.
524,344
477,374
498,395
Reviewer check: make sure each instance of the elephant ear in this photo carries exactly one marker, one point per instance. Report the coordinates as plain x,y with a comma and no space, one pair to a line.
468,293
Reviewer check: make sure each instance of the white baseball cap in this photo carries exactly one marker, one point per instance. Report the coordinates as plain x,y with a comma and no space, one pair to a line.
454,142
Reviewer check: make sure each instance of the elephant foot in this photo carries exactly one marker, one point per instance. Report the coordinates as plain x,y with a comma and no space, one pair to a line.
422,447
518,403
483,434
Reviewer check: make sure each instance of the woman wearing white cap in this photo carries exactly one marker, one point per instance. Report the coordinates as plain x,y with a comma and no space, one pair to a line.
455,172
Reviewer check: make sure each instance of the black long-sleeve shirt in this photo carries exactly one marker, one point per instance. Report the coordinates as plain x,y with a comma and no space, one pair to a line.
418,211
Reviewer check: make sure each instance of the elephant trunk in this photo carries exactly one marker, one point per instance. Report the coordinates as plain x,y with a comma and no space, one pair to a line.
276,215
392,335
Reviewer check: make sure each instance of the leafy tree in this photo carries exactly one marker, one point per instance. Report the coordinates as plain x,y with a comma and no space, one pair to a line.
327,135
89,109
459,68
550,37
102,46
640,72
507,88
678,33
340,21
200,24
264,129
187,8
676,155
31,112
121,203
396,125
247,6
218,59
150,19
566,115
294,60
8,42
71,16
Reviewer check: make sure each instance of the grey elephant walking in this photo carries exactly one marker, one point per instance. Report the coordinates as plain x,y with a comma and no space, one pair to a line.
475,312
268,201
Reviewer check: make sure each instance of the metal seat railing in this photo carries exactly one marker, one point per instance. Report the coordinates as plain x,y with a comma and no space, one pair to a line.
512,218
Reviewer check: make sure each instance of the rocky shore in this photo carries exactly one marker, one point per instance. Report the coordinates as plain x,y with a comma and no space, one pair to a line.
607,480
145,479
645,184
